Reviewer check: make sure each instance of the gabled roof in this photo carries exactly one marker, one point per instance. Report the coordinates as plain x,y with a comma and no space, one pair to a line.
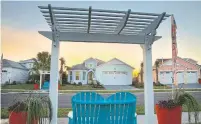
119,61
24,61
12,64
99,62
189,60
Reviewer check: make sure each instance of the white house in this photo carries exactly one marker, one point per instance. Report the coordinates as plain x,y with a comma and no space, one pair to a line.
16,71
13,71
29,64
113,72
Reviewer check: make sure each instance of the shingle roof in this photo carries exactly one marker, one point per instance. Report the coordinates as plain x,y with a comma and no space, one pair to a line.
79,67
9,63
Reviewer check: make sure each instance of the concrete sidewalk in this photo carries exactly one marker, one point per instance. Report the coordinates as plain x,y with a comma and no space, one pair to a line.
140,119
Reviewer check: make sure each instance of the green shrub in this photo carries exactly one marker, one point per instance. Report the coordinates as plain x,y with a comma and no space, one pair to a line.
74,84
4,113
18,107
14,83
80,83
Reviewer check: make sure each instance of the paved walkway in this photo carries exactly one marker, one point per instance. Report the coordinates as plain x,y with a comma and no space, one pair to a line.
140,119
119,87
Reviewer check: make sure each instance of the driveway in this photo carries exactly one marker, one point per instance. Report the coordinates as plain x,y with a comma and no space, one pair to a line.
119,87
191,85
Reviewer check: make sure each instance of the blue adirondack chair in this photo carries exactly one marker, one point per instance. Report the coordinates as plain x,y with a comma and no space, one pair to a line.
92,108
46,85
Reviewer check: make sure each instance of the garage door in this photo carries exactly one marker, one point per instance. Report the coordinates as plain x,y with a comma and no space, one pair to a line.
114,78
180,77
165,77
187,77
192,77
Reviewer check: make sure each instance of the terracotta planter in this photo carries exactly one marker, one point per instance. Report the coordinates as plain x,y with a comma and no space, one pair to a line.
199,80
17,117
36,86
168,116
59,86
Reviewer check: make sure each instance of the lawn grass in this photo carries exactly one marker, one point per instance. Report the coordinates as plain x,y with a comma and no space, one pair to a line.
18,86
79,87
97,90
162,87
63,112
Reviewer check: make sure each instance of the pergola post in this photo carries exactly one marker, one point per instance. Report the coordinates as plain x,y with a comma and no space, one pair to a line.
41,80
148,80
54,68
54,77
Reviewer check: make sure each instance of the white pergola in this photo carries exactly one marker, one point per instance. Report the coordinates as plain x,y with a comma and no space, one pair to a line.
102,26
41,76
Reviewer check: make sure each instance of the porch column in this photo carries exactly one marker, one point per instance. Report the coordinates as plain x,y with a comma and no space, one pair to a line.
54,76
148,80
41,80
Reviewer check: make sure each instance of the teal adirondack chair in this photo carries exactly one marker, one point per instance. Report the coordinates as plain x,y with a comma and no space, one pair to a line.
92,108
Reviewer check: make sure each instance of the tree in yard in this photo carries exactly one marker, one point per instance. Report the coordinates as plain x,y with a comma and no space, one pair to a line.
43,62
156,66
62,65
141,72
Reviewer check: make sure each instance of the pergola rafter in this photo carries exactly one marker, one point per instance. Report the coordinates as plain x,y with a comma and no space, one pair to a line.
87,19
102,26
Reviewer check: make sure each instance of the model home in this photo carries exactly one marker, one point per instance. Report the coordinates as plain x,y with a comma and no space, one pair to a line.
113,72
188,71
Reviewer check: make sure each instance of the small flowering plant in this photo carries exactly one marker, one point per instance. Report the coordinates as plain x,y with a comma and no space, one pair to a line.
167,104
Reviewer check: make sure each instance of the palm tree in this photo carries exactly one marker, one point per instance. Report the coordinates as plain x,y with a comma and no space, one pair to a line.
156,66
62,65
141,72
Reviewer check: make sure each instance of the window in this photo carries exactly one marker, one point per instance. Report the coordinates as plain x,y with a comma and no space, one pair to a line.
90,65
71,77
84,74
77,74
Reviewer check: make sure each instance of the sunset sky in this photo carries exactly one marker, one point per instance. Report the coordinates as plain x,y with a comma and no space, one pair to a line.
21,21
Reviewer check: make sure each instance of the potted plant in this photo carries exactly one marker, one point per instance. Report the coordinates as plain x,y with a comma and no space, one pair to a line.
17,113
33,110
170,111
199,80
36,85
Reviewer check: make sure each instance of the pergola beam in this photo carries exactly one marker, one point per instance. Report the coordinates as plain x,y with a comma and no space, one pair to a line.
122,23
98,38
